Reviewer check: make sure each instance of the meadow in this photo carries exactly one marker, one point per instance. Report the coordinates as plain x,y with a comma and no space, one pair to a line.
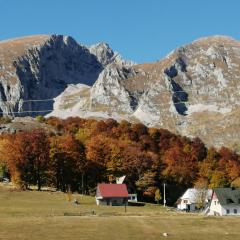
50,215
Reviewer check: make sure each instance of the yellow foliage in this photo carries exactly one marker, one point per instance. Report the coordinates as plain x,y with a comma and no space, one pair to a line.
83,135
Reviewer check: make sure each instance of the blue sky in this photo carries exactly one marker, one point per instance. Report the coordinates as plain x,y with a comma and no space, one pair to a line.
141,30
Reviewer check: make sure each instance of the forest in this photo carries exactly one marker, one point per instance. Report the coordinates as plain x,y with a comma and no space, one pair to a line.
80,153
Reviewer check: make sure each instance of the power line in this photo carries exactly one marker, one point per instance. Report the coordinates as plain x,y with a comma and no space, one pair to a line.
107,107
32,111
171,91
129,95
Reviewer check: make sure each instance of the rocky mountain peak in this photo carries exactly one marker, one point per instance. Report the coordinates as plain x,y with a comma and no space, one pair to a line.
103,53
41,67
193,91
106,55
217,39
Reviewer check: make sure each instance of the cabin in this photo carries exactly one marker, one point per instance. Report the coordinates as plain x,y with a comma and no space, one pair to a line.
225,201
112,194
193,199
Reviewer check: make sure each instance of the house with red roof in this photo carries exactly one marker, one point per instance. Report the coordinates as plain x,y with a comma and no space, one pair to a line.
112,194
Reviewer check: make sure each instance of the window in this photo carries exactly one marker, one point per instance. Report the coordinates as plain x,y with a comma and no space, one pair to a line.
235,211
215,202
185,201
228,211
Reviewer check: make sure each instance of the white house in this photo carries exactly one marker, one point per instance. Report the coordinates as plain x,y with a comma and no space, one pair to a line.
193,198
225,201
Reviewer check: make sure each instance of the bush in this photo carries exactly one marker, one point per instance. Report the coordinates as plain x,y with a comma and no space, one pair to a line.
40,119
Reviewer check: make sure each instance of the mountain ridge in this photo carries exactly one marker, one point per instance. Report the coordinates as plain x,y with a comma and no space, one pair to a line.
190,91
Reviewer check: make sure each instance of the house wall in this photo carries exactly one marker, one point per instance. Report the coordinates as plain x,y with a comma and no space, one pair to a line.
98,194
231,209
112,201
183,205
215,208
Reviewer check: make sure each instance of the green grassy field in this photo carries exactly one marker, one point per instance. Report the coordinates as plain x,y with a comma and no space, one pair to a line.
45,215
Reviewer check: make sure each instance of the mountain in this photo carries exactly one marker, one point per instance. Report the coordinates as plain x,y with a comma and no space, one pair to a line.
41,67
193,91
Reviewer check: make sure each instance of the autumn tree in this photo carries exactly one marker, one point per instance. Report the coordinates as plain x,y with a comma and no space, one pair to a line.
83,135
26,155
180,164
158,195
136,162
123,130
147,184
103,150
3,164
218,179
67,161
114,165
229,163
39,155
142,168
208,165
97,153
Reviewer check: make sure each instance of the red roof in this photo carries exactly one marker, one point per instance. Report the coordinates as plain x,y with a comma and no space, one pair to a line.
112,190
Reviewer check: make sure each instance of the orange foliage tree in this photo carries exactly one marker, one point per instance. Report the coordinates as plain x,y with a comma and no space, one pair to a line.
27,155
67,161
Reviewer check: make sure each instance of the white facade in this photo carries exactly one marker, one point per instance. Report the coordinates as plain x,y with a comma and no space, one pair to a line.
132,197
185,204
217,209
190,199
114,201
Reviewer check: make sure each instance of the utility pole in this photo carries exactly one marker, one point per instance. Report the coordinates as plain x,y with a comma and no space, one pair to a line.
164,195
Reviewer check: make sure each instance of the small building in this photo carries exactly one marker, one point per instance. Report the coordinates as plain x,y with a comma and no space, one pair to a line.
112,194
193,199
132,197
225,201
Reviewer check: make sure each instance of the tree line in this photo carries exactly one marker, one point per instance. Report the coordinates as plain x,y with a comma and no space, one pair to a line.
80,153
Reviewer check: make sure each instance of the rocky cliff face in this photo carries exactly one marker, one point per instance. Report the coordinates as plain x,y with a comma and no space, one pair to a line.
193,91
41,67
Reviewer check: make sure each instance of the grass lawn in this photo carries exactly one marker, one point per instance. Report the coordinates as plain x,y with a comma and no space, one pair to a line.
44,215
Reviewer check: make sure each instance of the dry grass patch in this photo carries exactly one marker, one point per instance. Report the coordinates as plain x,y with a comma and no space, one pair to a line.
33,215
